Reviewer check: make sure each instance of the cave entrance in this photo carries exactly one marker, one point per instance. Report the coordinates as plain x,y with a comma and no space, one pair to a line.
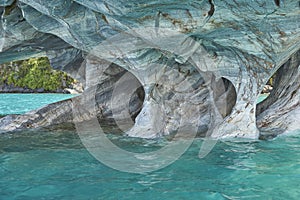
279,112
268,87
30,84
267,95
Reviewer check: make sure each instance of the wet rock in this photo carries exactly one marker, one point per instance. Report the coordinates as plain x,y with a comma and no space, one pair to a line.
52,114
242,42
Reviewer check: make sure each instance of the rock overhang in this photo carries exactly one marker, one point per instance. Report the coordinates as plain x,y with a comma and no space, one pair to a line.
246,42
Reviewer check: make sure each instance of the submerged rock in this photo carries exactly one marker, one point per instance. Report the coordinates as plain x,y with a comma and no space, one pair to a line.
188,64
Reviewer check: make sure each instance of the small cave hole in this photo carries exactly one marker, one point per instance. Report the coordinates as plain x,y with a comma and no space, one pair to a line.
224,96
268,87
267,95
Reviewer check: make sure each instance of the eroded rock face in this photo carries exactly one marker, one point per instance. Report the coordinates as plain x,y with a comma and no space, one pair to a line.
199,63
55,113
280,112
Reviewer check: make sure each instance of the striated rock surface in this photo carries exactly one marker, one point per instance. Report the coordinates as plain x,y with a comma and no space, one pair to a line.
52,114
197,63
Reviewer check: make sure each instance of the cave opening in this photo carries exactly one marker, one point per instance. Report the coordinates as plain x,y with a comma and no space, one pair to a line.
224,96
279,112
30,84
268,87
269,94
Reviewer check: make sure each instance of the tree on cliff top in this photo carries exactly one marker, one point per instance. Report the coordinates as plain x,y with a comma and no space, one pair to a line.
34,73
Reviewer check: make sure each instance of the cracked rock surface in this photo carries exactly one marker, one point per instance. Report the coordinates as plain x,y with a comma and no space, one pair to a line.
199,64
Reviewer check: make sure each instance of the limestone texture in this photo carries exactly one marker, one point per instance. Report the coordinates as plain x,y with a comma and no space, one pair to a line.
162,65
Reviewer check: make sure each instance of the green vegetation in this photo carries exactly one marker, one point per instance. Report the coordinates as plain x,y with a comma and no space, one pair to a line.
34,73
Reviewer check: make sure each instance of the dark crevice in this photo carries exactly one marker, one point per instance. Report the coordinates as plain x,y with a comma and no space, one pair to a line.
273,114
104,96
212,8
280,82
225,96
277,2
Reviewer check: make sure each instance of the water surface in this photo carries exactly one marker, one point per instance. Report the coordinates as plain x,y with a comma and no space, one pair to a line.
45,164
53,164
22,103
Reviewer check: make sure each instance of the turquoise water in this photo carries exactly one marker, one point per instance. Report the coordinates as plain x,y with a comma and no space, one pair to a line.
262,97
21,103
53,164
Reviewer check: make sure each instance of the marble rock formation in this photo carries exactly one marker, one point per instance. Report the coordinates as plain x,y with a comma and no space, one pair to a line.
163,65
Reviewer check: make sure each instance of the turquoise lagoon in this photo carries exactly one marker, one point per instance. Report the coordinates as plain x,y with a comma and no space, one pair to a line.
47,164
22,103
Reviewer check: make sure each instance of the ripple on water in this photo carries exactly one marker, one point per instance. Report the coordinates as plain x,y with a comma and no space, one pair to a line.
54,165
